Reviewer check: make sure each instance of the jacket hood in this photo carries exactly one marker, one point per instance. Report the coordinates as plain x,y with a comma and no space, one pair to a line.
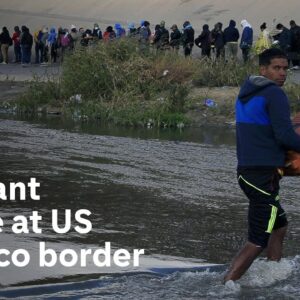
253,85
232,23
245,24
131,25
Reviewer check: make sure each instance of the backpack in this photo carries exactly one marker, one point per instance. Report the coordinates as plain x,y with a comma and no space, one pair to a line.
65,40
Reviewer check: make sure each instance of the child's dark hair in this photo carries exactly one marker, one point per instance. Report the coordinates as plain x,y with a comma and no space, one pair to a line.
263,26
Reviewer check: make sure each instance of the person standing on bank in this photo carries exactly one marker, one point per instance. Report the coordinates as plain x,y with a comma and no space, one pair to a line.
175,38
5,41
203,41
187,38
264,133
26,42
17,46
231,37
246,40
295,44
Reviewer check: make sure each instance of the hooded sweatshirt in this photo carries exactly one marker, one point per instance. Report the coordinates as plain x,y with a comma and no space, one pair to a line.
247,34
231,34
120,31
52,36
188,35
264,130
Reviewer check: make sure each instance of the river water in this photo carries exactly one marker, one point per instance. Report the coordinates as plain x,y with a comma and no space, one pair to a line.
172,193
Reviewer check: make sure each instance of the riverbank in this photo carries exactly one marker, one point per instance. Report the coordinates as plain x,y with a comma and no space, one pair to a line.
16,80
160,91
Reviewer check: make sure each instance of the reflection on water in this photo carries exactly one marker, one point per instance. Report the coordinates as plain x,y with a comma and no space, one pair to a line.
172,193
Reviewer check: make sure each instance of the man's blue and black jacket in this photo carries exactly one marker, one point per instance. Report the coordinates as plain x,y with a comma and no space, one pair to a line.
263,126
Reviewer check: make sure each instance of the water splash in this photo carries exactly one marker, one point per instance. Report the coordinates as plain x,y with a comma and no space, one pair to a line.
264,273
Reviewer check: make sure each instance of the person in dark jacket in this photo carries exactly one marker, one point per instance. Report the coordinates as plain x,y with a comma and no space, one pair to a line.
132,31
86,38
231,37
264,134
97,33
175,38
161,37
26,45
283,38
246,39
217,36
17,46
187,38
5,41
295,44
203,41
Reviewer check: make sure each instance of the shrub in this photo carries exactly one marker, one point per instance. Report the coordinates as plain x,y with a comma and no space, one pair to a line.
115,82
221,73
40,92
293,92
128,86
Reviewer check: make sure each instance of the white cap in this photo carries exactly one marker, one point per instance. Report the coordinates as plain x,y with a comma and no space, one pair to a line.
73,27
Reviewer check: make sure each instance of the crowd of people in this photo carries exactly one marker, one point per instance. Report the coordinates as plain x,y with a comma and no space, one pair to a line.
51,45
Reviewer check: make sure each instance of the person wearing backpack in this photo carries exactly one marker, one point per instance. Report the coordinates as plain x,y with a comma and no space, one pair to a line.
5,41
203,41
17,46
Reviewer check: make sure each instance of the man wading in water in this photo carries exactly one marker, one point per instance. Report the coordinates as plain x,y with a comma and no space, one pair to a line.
264,134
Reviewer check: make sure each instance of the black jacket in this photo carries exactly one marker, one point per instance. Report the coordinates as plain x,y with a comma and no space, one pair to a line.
203,41
188,36
284,39
295,38
217,38
5,38
175,38
231,34
26,39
